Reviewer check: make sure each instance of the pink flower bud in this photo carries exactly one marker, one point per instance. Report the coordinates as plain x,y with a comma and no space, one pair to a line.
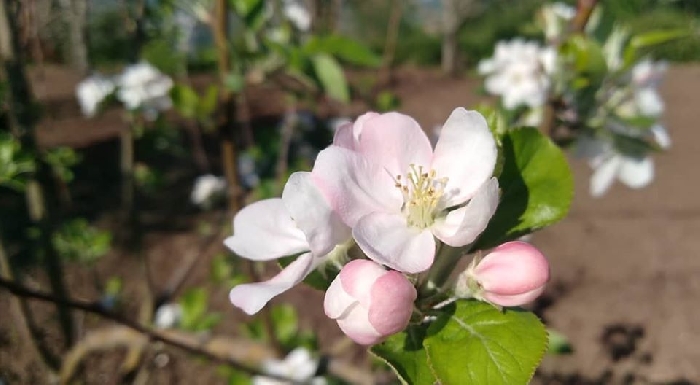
369,302
513,274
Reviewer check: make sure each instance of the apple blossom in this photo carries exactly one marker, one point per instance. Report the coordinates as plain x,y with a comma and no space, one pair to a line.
368,302
557,17
398,194
297,13
302,222
299,367
634,170
207,188
168,315
519,72
91,92
143,86
513,274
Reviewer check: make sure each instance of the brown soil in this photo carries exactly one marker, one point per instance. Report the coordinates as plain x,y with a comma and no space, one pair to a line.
623,285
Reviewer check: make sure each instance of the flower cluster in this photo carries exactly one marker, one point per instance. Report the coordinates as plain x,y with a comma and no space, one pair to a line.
139,87
597,89
519,72
380,187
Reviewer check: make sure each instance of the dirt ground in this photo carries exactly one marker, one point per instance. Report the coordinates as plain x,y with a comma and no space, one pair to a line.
624,287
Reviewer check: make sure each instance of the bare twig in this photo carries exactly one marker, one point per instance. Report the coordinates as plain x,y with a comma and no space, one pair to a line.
240,354
584,10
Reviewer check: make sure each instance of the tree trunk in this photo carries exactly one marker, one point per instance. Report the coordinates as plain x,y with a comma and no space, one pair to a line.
74,14
454,14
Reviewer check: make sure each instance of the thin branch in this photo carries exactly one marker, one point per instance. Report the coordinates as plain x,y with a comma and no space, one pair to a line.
224,350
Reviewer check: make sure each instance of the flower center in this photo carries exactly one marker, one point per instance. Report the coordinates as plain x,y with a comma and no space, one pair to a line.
422,195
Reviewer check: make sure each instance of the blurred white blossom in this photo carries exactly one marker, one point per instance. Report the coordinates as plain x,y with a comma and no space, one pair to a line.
168,315
609,165
299,367
91,92
143,86
297,13
206,189
519,72
557,18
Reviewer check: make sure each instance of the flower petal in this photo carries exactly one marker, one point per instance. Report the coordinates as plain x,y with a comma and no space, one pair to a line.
337,302
661,136
355,187
636,172
264,231
513,300
348,135
356,325
461,227
251,297
465,154
392,303
604,175
394,141
313,214
357,278
386,239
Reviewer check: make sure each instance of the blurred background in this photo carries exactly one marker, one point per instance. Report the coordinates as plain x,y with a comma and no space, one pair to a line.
624,286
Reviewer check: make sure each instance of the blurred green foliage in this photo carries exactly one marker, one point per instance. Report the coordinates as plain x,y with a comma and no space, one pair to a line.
76,240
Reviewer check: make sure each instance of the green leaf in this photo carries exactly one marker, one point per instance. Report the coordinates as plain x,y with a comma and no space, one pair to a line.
558,343
286,323
650,39
194,306
234,81
331,76
207,103
536,185
185,100
346,49
587,56
479,344
405,354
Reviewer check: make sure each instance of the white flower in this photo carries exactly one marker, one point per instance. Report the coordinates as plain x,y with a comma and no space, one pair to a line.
556,19
398,194
206,188
91,92
299,367
168,315
297,14
519,72
634,171
143,86
303,223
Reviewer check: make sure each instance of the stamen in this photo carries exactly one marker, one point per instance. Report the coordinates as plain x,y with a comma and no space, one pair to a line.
422,194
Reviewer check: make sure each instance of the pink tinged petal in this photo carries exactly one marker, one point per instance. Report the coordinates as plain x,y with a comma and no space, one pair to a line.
392,303
514,269
357,278
661,136
337,302
604,175
354,186
343,137
636,173
251,297
387,239
513,300
461,227
465,154
264,231
313,214
394,141
356,325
